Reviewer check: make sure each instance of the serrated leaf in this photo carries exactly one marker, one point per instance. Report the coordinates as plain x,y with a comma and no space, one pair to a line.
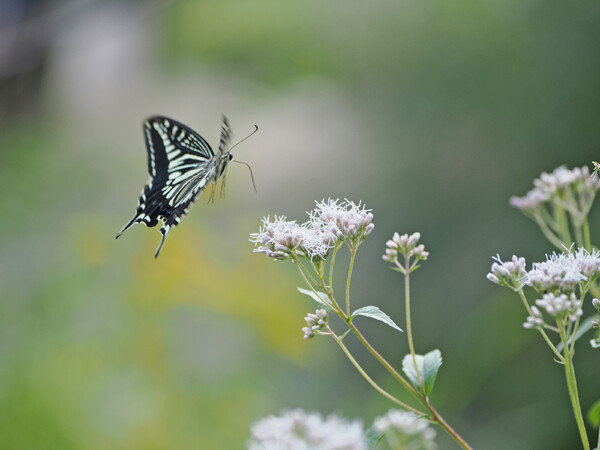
593,415
372,438
321,299
427,366
584,327
375,313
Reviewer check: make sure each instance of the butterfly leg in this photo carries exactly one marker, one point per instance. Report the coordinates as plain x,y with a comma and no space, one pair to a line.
165,232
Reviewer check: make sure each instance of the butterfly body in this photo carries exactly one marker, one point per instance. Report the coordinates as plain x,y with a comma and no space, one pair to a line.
181,164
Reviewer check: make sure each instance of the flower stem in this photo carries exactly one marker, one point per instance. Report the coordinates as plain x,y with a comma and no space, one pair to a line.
547,232
335,250
436,417
350,268
542,332
572,388
383,361
586,235
411,345
368,378
334,306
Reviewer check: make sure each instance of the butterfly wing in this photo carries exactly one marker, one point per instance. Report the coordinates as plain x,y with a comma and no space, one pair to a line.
179,162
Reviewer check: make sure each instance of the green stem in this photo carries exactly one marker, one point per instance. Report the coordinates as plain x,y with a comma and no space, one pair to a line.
298,262
436,417
383,361
572,388
350,268
579,240
369,379
335,250
548,233
309,284
542,332
411,344
587,242
563,223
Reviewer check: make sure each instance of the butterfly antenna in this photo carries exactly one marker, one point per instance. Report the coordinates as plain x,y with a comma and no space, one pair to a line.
250,169
238,143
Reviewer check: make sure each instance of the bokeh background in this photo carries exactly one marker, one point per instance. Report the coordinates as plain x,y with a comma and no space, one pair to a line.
432,112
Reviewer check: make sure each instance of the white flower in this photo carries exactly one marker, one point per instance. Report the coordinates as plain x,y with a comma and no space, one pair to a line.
405,245
299,430
557,273
282,239
559,305
316,322
549,186
587,263
535,320
411,427
329,223
347,220
508,273
276,238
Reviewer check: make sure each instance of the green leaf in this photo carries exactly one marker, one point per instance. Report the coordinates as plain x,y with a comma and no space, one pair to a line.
584,327
372,438
427,366
375,313
593,415
345,334
321,299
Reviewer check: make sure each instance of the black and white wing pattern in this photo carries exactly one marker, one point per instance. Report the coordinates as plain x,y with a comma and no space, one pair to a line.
181,164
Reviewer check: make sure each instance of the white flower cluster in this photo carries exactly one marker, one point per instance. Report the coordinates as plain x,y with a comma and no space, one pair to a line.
535,320
413,429
329,223
560,273
558,306
316,322
563,272
299,430
554,275
405,245
550,185
511,274
347,219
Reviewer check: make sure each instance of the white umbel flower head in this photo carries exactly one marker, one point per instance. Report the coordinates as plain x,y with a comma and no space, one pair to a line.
409,428
535,320
559,273
561,305
329,223
573,189
283,239
277,238
316,322
347,220
299,430
512,274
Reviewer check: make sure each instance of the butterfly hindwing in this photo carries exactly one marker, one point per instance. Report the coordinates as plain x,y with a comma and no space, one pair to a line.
181,163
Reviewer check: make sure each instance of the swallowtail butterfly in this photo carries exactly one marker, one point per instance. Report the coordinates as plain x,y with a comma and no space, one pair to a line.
181,164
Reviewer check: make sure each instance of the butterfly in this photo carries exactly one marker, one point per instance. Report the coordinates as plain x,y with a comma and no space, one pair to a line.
181,164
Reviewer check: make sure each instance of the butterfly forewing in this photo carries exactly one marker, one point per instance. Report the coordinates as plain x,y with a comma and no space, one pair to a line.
181,164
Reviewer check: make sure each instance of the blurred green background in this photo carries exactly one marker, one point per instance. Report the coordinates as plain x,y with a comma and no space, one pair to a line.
431,112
